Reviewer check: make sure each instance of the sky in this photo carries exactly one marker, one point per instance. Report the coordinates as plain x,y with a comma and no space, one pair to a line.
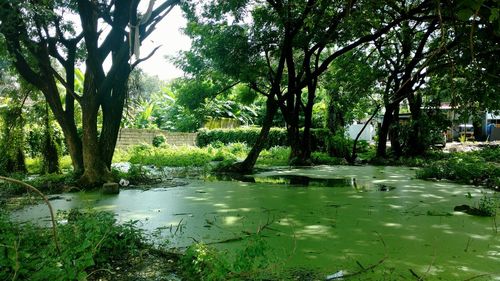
171,39
168,34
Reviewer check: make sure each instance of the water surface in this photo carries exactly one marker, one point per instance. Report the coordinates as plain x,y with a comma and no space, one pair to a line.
326,218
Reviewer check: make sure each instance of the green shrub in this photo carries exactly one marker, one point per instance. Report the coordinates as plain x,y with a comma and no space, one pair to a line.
231,151
121,155
34,165
339,145
158,140
166,156
487,206
322,158
136,174
275,156
489,153
277,137
223,154
87,241
248,136
463,168
205,263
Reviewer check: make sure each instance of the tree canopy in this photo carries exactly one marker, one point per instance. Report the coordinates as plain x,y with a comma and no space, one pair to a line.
47,40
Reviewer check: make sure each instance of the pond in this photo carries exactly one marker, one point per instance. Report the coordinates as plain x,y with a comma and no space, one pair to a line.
325,218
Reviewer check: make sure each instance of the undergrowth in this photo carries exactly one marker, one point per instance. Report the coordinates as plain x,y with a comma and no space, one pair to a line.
468,168
206,263
87,241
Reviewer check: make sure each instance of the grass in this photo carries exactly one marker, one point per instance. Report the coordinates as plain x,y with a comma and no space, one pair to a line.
188,156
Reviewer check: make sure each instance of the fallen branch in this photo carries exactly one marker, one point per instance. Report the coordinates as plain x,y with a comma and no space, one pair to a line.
234,239
363,270
477,276
247,234
46,200
101,269
416,275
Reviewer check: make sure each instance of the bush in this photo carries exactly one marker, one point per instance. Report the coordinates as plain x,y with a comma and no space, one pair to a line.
277,137
87,241
275,156
463,168
166,156
487,206
339,145
158,140
489,153
202,262
48,183
248,136
136,174
322,158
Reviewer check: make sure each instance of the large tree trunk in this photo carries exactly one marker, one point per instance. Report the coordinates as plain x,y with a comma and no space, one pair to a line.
73,140
95,169
394,133
75,149
247,165
415,143
308,112
293,135
66,119
112,108
335,117
12,158
296,140
384,131
50,153
478,129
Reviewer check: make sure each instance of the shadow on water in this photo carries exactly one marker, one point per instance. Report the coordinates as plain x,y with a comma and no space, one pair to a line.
297,180
303,181
294,180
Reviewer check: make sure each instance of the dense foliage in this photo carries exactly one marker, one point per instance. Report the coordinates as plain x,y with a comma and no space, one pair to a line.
478,168
277,137
203,262
88,241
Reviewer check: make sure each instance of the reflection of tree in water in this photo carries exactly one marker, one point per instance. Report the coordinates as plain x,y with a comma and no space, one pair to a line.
305,181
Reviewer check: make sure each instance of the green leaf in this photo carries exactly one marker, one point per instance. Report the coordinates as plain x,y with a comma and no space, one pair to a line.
465,14
493,15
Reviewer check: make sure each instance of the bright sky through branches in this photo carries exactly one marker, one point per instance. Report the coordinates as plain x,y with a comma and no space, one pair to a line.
171,39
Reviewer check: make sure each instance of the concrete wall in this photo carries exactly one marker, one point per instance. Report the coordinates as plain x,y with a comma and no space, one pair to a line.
367,134
129,137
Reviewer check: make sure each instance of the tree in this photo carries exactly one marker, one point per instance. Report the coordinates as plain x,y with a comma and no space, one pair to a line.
12,158
352,90
41,41
291,44
219,42
410,53
471,82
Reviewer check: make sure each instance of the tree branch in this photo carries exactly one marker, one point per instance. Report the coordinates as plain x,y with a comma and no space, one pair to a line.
145,58
68,88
